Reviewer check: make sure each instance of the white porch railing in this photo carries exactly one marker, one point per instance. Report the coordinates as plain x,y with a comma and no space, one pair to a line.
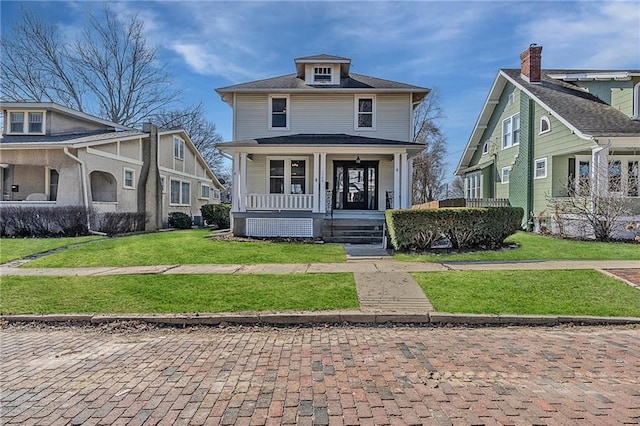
280,202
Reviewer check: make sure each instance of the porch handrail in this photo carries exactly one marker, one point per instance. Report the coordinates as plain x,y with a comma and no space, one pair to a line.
302,202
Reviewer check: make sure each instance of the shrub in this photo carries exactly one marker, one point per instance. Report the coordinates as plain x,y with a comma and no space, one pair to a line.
39,222
121,223
180,220
217,215
466,228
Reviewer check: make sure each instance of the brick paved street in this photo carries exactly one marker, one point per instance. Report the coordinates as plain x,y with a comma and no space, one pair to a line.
327,375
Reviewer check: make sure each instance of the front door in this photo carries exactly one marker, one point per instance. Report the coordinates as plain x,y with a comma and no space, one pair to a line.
355,185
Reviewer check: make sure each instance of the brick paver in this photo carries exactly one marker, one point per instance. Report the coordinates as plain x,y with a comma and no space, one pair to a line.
323,375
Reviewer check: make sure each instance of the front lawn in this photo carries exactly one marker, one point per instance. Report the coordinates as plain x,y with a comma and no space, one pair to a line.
187,247
17,248
177,293
537,247
574,292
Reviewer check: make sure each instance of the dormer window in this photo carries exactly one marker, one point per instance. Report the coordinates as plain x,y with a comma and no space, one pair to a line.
26,122
322,74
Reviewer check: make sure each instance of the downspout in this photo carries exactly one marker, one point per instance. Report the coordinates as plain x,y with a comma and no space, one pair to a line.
85,193
596,176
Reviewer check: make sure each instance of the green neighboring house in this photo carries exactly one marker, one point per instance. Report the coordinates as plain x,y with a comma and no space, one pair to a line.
554,133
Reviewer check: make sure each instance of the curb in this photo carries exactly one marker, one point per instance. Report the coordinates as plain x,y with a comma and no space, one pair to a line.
325,318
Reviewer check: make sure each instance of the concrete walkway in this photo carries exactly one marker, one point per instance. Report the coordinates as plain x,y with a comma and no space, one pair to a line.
385,288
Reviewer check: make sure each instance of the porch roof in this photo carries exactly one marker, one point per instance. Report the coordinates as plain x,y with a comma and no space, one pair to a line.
69,139
339,139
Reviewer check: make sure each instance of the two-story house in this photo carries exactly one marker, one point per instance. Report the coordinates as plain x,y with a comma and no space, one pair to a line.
545,133
319,149
51,155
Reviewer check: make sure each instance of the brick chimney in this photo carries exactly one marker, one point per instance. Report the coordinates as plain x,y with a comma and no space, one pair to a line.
531,62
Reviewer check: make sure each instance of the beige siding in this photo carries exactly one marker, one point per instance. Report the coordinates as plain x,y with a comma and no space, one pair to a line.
130,149
165,151
323,113
110,148
61,123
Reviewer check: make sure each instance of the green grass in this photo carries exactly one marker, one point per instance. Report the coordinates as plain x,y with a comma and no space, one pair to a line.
187,247
17,248
177,293
537,247
573,292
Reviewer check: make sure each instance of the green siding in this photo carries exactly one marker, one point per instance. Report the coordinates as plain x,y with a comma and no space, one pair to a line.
520,178
618,94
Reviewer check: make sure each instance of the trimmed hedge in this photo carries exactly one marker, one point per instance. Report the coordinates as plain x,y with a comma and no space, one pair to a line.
41,222
218,215
417,230
121,223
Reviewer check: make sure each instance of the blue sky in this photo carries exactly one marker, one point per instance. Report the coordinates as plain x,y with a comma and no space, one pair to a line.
454,46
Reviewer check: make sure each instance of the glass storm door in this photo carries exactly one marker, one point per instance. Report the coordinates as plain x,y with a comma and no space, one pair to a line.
355,185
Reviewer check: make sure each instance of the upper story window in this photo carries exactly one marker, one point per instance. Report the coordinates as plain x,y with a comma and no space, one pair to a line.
178,148
511,131
636,101
506,171
31,122
485,147
365,113
278,112
205,190
322,74
545,125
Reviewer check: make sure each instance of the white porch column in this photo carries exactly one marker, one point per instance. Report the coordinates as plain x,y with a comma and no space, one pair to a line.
243,182
599,175
235,199
396,181
316,182
405,198
323,179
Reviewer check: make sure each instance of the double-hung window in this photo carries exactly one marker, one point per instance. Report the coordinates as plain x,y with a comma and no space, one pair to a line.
473,185
129,179
365,113
511,131
288,176
506,171
180,192
278,112
205,191
35,122
26,122
17,122
541,168
178,148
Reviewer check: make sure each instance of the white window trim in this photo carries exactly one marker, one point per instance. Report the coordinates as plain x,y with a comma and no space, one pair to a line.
474,192
202,187
180,155
544,119
25,122
217,194
636,101
356,112
535,168
287,112
502,180
512,142
287,173
485,147
124,178
180,193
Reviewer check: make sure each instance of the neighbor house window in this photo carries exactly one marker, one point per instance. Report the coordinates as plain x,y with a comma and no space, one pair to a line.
505,174
545,125
541,168
322,74
278,112
511,131
178,148
204,191
180,192
288,176
17,122
216,194
129,179
485,148
365,113
35,122
615,176
473,185
636,101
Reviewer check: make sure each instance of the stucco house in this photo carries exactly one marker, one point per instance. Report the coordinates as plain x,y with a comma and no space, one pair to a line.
320,152
549,133
51,155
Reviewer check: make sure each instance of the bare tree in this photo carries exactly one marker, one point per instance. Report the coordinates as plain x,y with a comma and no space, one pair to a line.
201,131
456,188
428,166
108,70
600,211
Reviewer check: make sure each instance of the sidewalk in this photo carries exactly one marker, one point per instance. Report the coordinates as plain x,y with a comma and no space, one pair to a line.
386,290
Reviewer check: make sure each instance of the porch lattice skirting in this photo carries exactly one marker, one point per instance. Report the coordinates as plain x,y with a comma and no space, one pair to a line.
278,227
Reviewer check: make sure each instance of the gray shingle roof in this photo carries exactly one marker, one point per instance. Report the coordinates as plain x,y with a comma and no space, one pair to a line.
322,57
583,110
318,139
291,82
70,139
